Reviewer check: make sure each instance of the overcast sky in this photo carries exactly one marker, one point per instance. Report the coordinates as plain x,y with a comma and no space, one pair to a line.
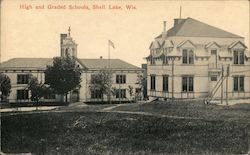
35,33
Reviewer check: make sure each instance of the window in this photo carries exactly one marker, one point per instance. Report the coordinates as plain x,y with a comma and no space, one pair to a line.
120,79
187,56
96,94
238,83
137,90
213,51
238,57
152,80
152,61
187,84
213,78
23,78
164,60
165,83
121,93
22,94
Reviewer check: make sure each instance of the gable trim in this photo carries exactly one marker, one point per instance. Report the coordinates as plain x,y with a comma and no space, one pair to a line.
184,42
235,43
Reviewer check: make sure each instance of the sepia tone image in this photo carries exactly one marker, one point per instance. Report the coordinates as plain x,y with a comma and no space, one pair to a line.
124,77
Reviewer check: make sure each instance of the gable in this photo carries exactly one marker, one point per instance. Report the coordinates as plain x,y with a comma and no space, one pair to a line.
186,44
238,44
155,44
212,45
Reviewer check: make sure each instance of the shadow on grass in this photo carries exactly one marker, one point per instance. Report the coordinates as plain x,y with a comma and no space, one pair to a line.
113,133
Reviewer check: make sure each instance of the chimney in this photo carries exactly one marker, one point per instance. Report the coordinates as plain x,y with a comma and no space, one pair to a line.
164,26
178,21
164,33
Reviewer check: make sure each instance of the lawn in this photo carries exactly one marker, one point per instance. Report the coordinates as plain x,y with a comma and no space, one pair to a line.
117,133
193,109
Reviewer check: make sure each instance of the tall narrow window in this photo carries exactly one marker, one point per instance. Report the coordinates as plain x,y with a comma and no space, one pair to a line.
165,83
238,57
187,56
187,84
164,60
184,56
152,61
238,83
152,80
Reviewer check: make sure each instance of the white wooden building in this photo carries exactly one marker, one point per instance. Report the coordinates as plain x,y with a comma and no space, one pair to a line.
196,60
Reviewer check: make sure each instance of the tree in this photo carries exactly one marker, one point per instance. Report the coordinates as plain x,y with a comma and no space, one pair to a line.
5,86
101,82
130,91
37,89
64,75
142,82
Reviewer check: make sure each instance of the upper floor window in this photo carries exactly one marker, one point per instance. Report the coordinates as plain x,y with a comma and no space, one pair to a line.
164,60
187,83
238,83
120,79
238,56
23,78
152,61
187,56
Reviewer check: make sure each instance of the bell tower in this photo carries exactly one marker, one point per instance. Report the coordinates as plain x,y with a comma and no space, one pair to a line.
68,45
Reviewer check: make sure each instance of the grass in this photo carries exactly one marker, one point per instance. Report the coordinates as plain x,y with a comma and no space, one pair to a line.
193,109
116,133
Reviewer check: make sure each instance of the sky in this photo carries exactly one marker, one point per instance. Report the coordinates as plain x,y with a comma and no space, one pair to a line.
35,32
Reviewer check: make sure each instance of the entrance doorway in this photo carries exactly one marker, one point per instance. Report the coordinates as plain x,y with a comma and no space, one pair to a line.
74,96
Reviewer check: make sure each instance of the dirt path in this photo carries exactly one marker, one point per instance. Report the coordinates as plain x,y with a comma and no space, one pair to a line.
110,108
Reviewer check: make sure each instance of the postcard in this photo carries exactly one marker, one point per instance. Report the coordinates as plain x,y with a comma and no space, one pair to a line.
125,77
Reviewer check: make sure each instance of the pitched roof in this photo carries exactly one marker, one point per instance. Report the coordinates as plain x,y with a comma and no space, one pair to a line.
104,63
41,63
190,27
27,63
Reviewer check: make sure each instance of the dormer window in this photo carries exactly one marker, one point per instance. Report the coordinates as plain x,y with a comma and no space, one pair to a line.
187,56
238,56
152,61
164,60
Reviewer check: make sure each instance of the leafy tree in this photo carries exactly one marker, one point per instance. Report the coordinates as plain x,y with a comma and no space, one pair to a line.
37,89
142,82
102,82
5,86
131,91
64,75
114,91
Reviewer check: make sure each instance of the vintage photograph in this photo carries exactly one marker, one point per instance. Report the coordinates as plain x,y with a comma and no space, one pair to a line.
124,77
